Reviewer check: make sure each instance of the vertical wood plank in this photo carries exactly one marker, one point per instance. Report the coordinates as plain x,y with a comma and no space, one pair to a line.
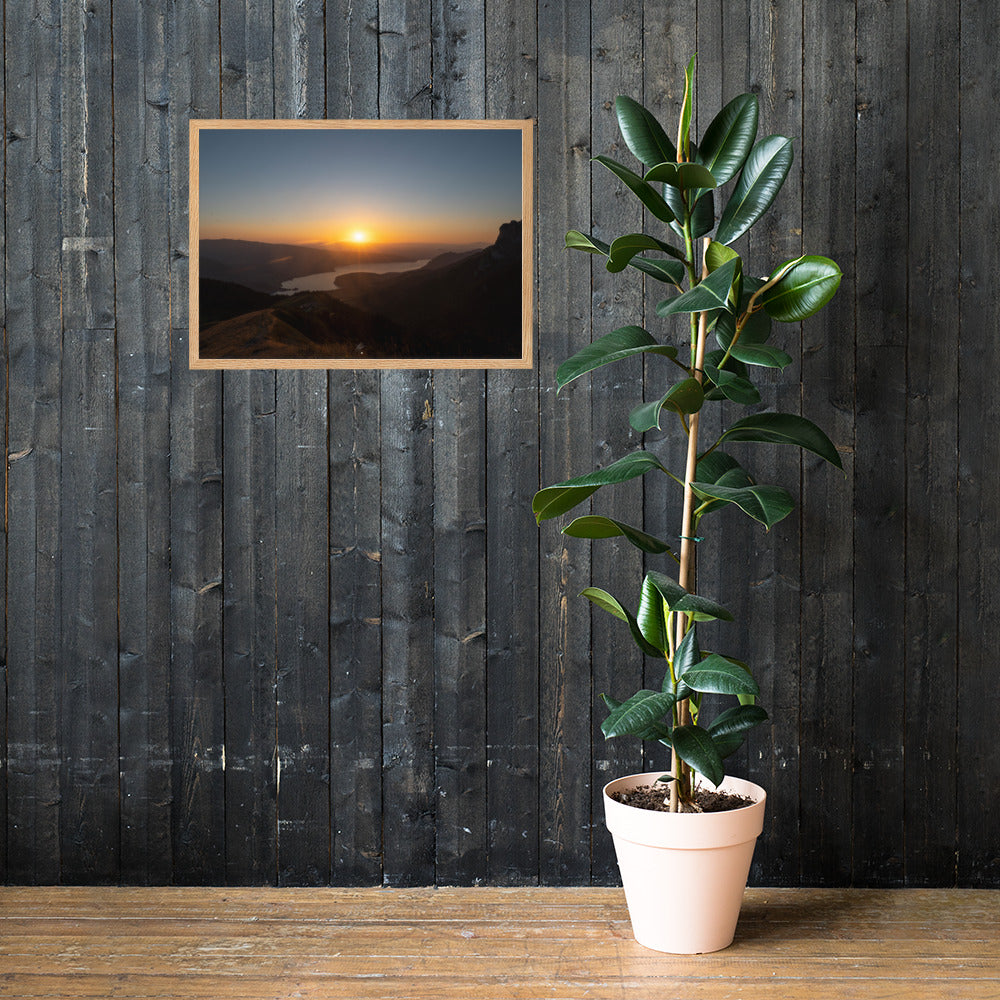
879,463
142,305
88,625
196,653
565,423
932,598
407,531
249,405
458,56
827,497
4,397
616,300
31,213
979,456
512,665
355,524
302,484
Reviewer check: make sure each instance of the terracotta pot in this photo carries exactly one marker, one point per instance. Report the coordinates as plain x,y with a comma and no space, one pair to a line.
684,873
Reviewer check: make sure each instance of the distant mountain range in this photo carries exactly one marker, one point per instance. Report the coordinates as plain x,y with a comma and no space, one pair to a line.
458,305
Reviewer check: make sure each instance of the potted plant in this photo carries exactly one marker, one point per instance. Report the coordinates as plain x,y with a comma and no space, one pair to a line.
685,868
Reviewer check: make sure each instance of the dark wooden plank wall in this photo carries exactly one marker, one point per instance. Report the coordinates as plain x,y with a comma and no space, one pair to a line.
310,614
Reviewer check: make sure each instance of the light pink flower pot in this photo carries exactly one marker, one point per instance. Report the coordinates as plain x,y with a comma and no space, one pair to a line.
684,873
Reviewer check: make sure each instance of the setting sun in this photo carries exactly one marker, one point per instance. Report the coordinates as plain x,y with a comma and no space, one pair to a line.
359,236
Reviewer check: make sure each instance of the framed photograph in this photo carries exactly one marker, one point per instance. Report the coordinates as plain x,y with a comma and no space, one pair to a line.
361,244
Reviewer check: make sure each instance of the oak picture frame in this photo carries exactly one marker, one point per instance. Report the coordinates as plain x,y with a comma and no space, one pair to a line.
524,345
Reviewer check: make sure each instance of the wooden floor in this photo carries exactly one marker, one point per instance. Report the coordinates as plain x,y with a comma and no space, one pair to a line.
474,944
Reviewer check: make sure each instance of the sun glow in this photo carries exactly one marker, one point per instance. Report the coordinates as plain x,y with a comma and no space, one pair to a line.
359,236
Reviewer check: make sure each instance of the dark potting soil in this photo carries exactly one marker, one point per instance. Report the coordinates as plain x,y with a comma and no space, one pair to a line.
657,798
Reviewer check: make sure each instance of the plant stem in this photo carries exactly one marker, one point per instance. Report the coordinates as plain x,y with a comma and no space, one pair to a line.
686,572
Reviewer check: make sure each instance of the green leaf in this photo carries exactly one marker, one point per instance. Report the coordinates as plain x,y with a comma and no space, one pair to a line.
728,139
678,599
732,386
756,330
555,500
734,478
684,131
575,240
593,526
624,248
642,133
625,342
803,290
711,293
784,428
764,355
683,397
718,254
687,655
640,716
715,465
695,747
669,271
703,216
646,194
767,504
727,745
685,176
760,180
651,617
737,720
718,675
608,603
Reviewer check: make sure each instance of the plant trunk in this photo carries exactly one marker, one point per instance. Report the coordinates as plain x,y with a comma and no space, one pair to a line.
680,787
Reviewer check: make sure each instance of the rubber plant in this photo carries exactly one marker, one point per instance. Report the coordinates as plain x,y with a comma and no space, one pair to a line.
708,294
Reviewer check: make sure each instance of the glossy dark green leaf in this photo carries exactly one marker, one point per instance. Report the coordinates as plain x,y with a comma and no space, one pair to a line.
767,504
651,617
756,330
718,254
711,293
625,342
555,500
642,133
712,467
784,428
686,176
678,599
575,240
695,747
737,720
760,180
593,526
608,603
668,271
728,745
683,397
763,355
643,191
641,715
624,248
734,387
719,675
729,138
703,216
803,290
687,655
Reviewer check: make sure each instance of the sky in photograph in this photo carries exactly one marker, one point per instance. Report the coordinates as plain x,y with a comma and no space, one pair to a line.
372,185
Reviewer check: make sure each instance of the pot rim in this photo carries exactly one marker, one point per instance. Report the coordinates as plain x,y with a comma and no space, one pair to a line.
653,775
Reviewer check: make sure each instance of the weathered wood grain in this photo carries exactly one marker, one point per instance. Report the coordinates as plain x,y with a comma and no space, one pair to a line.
511,457
458,56
142,338
197,731
407,401
880,441
826,710
616,300
932,369
976,759
34,343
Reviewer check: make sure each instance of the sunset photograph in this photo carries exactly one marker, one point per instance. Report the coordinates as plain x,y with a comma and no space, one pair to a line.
360,244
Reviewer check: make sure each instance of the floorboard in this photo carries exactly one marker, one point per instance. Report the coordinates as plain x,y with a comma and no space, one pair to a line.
238,944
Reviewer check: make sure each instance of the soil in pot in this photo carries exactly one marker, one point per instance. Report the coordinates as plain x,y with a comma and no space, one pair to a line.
657,799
